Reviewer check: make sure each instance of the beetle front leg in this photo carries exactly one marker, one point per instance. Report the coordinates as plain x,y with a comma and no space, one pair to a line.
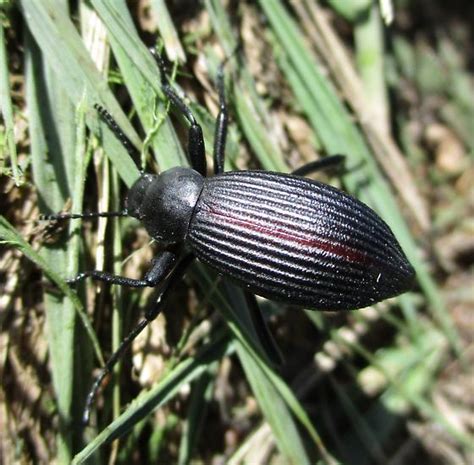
159,269
196,147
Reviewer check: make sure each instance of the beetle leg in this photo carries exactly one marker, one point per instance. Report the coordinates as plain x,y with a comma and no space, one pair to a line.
196,148
159,269
265,336
220,132
150,315
327,162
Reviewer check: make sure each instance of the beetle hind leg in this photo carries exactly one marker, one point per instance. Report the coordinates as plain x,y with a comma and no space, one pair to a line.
317,165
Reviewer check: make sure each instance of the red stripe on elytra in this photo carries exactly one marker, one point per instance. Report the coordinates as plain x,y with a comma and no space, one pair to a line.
341,250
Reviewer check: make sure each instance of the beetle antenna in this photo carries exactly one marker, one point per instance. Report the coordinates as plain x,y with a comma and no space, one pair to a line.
86,215
116,130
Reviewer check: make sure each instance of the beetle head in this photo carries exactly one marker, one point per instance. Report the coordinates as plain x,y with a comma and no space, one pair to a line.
165,203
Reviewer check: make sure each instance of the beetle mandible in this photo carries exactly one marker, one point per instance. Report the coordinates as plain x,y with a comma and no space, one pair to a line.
281,236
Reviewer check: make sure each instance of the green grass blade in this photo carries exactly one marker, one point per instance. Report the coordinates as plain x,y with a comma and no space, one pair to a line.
65,52
52,181
250,110
201,397
275,410
231,303
6,111
164,140
370,53
173,47
142,406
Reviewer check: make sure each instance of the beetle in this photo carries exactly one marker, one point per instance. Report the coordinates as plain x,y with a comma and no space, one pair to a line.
282,236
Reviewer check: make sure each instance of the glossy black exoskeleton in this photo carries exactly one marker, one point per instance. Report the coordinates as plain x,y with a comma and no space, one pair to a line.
284,237
281,236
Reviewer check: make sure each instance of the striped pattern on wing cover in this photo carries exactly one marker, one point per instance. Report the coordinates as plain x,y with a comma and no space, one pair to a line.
297,241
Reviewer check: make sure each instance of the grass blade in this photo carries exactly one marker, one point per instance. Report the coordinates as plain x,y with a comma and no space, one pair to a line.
184,372
6,111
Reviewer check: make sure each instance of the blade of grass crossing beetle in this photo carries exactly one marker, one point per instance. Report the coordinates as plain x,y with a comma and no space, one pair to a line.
183,373
231,303
339,135
297,409
240,323
277,403
65,52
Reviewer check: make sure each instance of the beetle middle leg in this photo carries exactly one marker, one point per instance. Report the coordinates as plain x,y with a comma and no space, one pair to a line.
159,269
323,163
220,132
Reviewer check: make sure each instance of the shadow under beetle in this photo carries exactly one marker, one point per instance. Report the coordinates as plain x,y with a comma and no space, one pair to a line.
281,236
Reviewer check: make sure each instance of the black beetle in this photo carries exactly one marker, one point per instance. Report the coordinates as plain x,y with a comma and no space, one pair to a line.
281,236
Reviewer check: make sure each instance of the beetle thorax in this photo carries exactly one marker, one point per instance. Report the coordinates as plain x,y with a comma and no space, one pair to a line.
165,203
